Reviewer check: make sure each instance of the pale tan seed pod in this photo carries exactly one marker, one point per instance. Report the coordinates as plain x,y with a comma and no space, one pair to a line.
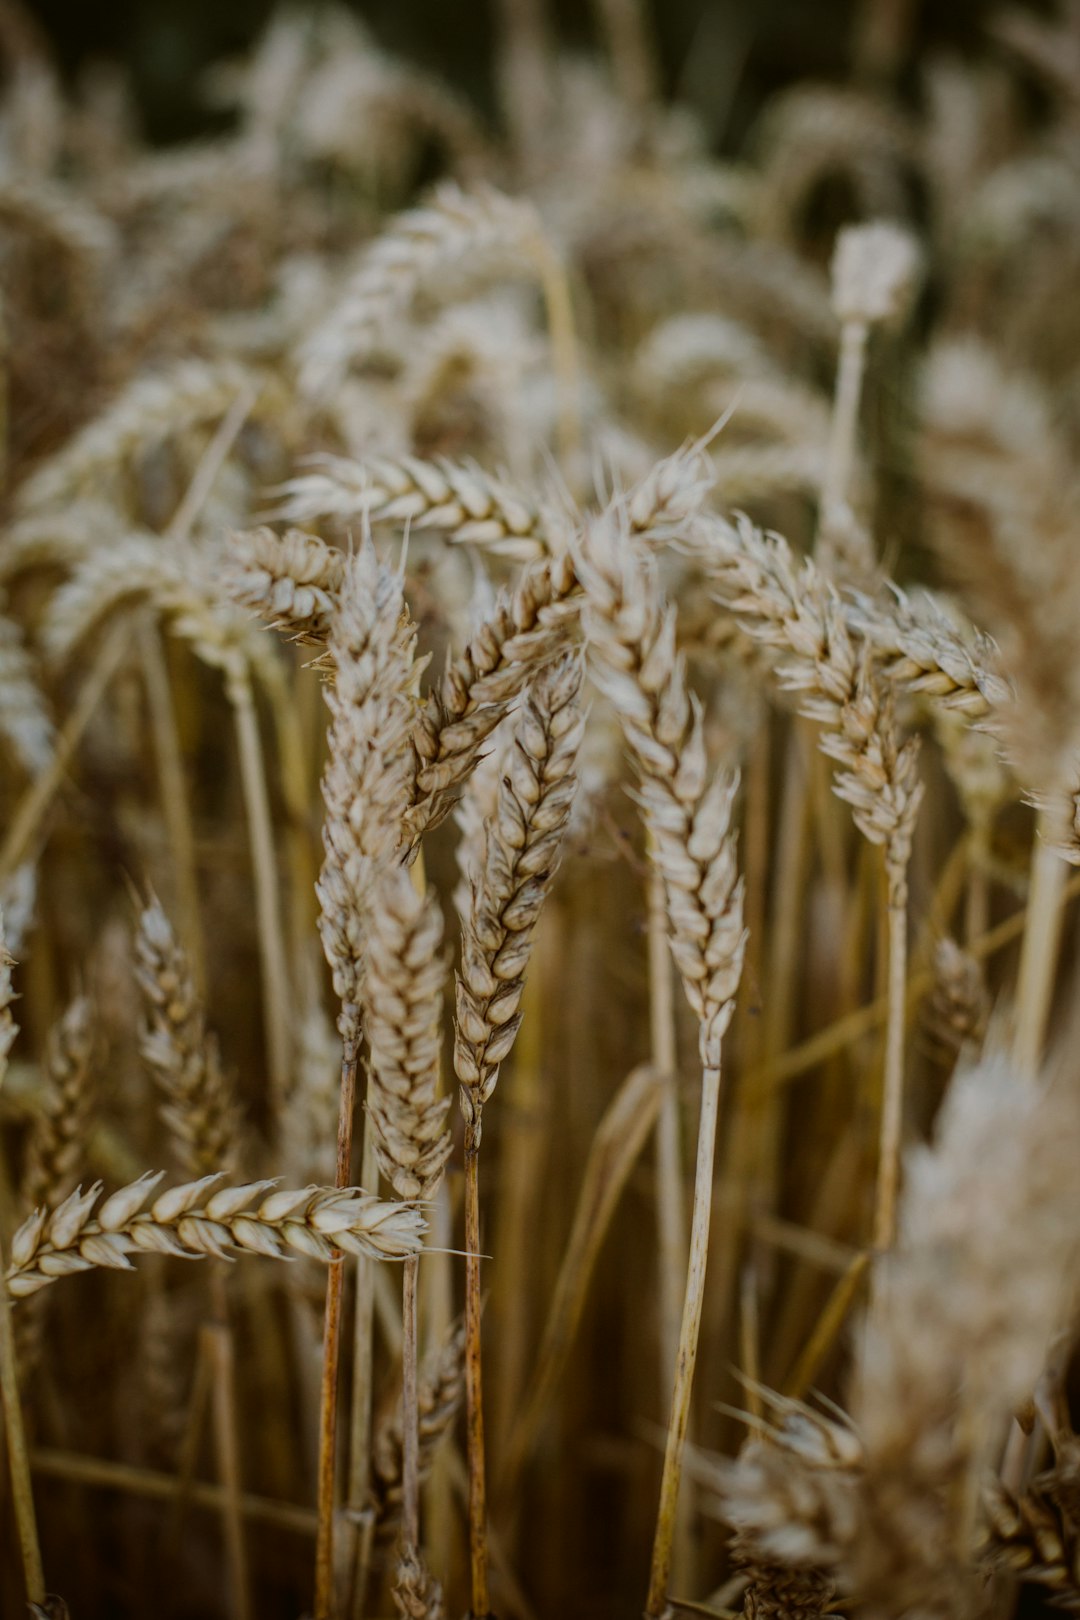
631,636
60,1242
403,994
512,878
290,580
199,1108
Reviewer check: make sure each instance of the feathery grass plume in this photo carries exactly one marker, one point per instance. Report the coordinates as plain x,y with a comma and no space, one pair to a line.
193,1221
199,1109
631,633
57,1141
984,1264
459,499
25,723
290,580
149,409
482,230
441,1391
959,1003
514,870
403,979
367,784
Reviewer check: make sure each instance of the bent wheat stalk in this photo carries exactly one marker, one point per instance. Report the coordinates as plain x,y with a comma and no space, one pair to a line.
631,635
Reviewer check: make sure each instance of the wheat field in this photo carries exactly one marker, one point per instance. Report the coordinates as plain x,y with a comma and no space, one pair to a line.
539,778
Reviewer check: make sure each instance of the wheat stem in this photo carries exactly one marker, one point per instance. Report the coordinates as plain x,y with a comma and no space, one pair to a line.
1039,950
360,1411
892,1109
410,1411
22,1492
660,1571
276,998
474,1385
328,1394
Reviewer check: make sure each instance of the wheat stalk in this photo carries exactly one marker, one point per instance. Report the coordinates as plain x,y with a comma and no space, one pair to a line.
631,634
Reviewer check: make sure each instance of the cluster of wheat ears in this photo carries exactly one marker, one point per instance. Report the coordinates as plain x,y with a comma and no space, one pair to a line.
490,816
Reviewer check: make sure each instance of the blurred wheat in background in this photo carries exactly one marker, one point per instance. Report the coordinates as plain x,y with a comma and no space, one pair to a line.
539,771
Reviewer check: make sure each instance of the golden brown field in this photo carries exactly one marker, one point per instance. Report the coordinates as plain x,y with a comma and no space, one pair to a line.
539,771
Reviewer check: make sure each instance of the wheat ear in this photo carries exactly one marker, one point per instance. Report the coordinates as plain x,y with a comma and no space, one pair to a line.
403,993
194,1221
367,786
631,634
516,864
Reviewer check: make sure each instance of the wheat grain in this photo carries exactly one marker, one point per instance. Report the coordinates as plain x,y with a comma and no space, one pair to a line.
58,1140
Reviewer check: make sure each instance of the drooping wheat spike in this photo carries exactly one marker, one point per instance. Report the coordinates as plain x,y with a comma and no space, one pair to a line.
307,1135
458,499
514,873
192,1221
367,785
25,722
921,652
290,580
484,229
58,1140
756,575
199,1108
416,1593
137,565
403,995
441,1391
149,409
